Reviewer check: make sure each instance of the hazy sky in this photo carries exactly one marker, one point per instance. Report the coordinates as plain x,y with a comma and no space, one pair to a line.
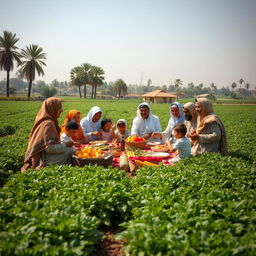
194,40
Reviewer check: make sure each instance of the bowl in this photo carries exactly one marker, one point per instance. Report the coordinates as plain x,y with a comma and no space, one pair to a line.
134,144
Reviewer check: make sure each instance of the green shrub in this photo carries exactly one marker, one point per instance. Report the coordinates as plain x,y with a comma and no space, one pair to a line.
202,206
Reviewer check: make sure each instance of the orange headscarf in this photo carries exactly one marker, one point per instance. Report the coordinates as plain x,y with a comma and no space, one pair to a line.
79,135
45,132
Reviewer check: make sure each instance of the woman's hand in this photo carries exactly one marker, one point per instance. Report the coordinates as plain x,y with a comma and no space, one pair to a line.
69,144
193,136
77,144
156,135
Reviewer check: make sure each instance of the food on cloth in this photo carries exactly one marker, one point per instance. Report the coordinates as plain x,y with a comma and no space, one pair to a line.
116,152
154,143
158,154
145,163
89,152
99,142
134,139
136,152
101,147
160,148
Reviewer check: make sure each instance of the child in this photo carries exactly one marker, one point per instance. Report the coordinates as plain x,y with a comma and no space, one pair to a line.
121,130
70,130
182,144
107,128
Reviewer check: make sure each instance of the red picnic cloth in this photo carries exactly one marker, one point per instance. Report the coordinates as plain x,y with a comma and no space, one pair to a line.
116,160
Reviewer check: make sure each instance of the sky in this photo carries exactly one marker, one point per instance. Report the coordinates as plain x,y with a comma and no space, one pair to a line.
199,41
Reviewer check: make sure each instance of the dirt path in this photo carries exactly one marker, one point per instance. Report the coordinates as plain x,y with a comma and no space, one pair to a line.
109,246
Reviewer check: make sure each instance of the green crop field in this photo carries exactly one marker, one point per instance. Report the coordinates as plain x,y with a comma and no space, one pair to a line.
203,205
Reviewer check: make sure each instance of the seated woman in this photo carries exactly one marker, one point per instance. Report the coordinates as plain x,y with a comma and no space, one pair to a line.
44,146
177,117
145,123
78,135
210,135
91,124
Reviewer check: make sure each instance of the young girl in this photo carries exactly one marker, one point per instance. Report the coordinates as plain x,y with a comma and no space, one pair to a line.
182,144
121,130
107,129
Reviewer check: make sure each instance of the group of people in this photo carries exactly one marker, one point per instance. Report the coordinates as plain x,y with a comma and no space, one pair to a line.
192,129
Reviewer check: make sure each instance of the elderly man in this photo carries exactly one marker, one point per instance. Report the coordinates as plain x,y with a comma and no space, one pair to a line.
145,123
190,113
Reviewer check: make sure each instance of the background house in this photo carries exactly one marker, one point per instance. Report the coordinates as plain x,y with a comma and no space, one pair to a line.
159,96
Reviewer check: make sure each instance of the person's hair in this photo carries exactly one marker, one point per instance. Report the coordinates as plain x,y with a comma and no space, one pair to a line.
121,123
105,121
143,106
72,125
181,128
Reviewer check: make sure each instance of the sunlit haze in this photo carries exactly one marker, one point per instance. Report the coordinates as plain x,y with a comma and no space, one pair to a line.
200,41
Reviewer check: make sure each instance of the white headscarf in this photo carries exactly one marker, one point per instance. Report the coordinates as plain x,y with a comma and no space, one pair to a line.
121,120
93,126
144,125
176,120
119,135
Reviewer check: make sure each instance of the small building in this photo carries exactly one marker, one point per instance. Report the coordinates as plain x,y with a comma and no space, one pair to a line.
159,96
132,96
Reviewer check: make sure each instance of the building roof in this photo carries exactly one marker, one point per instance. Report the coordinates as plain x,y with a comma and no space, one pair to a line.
205,95
158,94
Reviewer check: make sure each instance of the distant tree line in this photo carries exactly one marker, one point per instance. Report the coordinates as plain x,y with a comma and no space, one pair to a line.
30,61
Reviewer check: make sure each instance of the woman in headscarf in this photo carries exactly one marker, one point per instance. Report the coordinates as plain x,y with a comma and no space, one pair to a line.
91,124
145,123
177,117
210,135
78,135
44,146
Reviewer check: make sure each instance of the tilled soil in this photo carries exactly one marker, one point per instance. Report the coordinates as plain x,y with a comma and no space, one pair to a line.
109,246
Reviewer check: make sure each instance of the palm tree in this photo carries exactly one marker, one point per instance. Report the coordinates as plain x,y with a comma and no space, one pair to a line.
96,78
34,56
177,83
8,53
213,87
247,86
241,80
233,85
120,86
84,75
75,77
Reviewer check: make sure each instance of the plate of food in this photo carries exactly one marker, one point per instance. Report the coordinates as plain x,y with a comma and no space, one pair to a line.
160,148
158,154
98,142
153,143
